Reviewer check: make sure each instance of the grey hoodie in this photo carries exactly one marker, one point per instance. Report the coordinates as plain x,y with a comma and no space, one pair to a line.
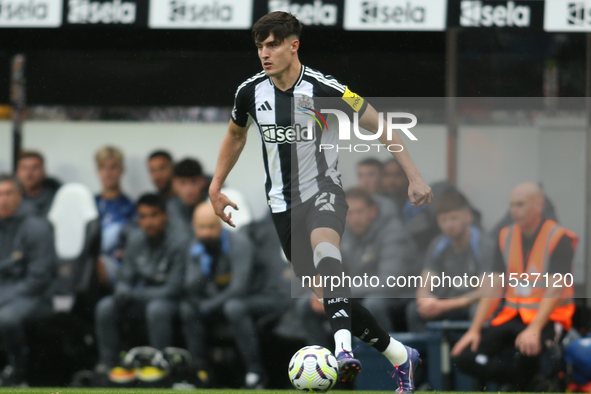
27,255
384,249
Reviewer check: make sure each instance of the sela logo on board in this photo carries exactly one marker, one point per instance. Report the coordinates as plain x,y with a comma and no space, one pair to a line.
475,13
30,13
182,10
578,14
200,14
374,12
313,13
105,12
395,15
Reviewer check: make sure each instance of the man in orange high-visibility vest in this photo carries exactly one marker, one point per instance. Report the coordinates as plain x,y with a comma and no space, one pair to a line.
535,256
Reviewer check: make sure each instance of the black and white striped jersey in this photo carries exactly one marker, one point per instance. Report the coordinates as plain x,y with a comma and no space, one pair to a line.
296,169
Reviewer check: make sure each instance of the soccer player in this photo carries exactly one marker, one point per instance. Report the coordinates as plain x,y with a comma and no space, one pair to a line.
303,184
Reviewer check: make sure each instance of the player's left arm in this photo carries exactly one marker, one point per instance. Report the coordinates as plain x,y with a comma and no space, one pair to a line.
419,192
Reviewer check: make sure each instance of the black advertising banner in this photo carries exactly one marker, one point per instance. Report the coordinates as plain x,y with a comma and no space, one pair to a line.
515,14
106,13
311,13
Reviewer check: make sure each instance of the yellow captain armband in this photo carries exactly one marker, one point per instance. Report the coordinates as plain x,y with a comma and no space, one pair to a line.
354,100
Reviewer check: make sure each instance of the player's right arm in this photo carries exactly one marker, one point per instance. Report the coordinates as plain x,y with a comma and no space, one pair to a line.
230,150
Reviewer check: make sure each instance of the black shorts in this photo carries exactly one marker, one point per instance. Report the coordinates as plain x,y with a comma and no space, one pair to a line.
328,208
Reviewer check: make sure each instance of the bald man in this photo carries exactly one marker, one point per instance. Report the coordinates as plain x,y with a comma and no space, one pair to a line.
533,318
221,283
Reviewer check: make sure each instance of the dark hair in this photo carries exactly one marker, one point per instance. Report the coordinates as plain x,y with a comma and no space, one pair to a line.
152,200
280,24
160,153
451,200
188,168
371,162
358,192
27,154
4,177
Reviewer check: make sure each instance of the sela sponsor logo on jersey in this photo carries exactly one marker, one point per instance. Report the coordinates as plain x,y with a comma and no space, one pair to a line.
476,13
287,135
196,14
104,12
395,14
565,15
317,12
30,13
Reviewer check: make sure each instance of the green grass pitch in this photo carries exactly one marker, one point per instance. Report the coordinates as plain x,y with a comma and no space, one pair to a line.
41,390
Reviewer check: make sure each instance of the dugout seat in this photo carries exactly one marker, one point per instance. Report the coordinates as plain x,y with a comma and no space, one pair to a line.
77,230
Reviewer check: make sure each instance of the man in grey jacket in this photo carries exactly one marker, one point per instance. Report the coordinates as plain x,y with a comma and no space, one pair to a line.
149,287
373,244
38,188
223,280
27,266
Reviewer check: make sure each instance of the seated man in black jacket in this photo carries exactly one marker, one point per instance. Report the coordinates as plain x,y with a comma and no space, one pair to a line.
223,280
149,287
27,265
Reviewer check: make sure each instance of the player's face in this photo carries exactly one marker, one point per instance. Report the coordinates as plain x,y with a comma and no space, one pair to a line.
360,215
161,172
454,224
110,171
368,178
394,180
10,199
189,190
152,220
30,173
276,56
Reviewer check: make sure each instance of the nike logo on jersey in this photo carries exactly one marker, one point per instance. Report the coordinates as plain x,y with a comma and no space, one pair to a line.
265,107
340,313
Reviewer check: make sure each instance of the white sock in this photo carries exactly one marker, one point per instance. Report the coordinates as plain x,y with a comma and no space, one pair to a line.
396,352
342,341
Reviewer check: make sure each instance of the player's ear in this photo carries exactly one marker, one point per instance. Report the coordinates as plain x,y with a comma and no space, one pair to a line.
295,45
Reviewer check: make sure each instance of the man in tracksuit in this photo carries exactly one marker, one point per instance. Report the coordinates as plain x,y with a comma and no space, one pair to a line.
226,281
27,265
149,287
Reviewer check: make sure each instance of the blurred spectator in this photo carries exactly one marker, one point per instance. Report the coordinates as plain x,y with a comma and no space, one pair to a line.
190,185
38,189
223,282
536,313
461,250
161,169
372,245
369,173
115,208
27,266
420,222
548,213
149,288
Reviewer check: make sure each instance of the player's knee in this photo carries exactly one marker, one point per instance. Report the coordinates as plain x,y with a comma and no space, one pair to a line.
326,250
157,310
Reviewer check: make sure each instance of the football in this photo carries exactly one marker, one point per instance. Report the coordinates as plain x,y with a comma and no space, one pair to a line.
313,369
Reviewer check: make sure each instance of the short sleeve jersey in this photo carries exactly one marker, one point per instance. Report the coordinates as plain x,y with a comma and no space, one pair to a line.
292,129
